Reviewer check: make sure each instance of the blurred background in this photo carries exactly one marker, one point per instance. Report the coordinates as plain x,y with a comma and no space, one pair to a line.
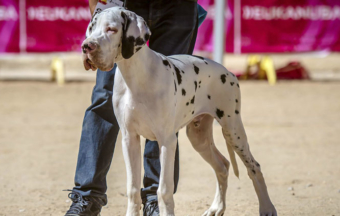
287,53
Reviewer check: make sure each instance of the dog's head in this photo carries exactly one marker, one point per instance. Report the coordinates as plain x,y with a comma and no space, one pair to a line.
113,35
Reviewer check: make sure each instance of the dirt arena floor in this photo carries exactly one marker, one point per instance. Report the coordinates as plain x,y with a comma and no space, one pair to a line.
293,130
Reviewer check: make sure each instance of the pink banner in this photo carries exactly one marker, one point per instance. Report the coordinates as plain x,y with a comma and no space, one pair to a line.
275,26
56,25
251,26
9,26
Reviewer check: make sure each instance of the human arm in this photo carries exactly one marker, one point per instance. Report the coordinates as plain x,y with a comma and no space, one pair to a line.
92,5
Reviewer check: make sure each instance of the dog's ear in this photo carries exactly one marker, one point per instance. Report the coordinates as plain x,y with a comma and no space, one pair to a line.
135,33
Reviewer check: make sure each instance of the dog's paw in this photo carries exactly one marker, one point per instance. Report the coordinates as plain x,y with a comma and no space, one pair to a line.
215,210
268,211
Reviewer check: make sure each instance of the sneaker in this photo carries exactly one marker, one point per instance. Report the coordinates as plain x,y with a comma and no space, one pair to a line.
151,208
84,206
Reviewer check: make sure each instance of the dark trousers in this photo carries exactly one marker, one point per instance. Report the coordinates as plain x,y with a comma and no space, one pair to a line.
173,25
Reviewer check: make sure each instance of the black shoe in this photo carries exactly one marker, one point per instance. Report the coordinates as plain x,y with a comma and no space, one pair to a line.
151,208
84,206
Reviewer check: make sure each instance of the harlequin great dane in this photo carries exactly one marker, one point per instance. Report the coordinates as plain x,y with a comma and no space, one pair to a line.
156,95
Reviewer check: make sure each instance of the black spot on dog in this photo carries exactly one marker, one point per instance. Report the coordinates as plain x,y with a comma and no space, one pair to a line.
223,77
237,112
187,103
199,86
229,116
209,76
192,100
219,113
193,112
209,97
246,161
146,36
183,72
238,137
236,100
175,86
196,69
238,85
200,58
257,164
179,76
183,92
195,85
199,82
253,171
166,63
232,83
139,41
138,48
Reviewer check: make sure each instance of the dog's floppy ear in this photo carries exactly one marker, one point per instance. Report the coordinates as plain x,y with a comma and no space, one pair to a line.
135,33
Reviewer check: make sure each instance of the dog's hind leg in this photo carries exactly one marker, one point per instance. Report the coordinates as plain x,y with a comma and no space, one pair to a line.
234,133
132,157
200,134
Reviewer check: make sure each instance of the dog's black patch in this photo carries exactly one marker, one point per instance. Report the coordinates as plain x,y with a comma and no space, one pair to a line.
236,100
219,113
192,100
238,137
139,41
253,171
193,112
138,48
183,72
187,103
195,85
223,78
197,70
179,76
257,164
166,63
128,43
200,58
237,112
209,97
232,83
238,85
175,86
229,116
199,82
146,37
183,92
209,76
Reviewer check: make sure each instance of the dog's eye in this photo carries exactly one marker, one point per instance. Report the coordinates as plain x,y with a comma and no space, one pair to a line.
111,30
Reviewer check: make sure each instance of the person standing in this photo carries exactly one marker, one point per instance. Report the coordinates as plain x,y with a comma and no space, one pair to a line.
173,24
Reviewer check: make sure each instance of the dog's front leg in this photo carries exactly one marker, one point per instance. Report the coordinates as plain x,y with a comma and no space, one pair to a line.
167,147
132,157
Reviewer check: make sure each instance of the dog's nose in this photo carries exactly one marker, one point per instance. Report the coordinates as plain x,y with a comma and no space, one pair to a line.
88,47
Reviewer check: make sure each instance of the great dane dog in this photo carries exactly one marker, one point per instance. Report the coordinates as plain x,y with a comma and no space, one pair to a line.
155,96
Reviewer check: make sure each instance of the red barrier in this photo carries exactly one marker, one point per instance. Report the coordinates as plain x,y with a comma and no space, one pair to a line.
251,26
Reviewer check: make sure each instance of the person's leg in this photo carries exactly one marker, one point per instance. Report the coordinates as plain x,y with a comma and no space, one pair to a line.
173,26
98,137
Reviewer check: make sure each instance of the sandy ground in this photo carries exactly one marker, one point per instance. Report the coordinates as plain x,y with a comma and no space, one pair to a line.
293,130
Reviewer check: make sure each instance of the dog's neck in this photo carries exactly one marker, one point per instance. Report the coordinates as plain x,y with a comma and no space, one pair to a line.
137,70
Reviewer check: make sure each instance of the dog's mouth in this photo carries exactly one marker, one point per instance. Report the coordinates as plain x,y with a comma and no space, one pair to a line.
90,62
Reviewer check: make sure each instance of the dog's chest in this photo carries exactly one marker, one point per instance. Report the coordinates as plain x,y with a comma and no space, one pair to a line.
137,118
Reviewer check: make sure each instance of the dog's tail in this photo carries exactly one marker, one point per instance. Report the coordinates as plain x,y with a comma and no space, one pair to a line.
233,159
